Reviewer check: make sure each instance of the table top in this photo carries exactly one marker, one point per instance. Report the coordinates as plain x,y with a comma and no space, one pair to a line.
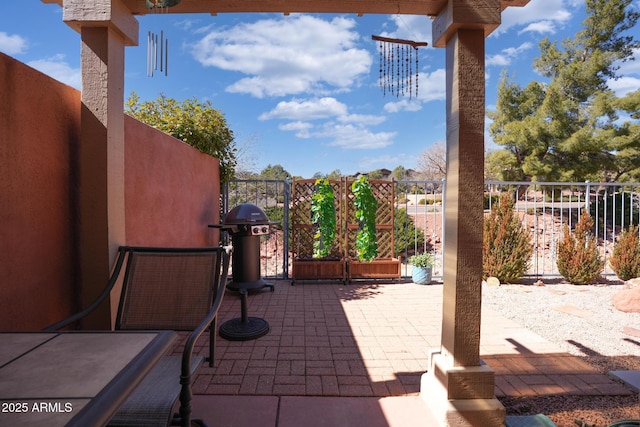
73,378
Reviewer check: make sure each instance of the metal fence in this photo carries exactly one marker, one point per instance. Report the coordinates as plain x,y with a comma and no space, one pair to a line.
543,207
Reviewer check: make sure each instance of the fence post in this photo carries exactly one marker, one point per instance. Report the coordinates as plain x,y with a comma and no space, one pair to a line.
587,198
285,227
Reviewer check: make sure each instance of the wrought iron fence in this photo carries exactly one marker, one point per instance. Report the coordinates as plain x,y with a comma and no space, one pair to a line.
543,207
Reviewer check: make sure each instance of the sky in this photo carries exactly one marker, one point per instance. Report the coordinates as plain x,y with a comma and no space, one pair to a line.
303,90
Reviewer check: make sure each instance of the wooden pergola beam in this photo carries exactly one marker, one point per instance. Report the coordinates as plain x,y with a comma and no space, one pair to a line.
359,7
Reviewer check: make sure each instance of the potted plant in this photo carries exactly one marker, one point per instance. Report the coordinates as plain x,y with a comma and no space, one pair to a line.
317,233
421,268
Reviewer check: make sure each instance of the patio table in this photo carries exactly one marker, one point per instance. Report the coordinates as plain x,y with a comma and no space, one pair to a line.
73,378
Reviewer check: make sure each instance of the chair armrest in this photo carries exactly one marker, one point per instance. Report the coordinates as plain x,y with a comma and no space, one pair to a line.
185,374
122,253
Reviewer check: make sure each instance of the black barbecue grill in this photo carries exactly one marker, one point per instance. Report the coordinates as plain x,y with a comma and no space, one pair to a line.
245,223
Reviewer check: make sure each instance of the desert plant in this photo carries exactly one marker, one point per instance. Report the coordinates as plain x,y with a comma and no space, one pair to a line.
506,247
625,260
366,206
323,216
578,259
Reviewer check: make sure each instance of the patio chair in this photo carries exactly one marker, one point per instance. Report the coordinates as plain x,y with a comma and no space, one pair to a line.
177,289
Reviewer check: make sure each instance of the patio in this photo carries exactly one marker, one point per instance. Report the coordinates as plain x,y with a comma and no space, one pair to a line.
337,351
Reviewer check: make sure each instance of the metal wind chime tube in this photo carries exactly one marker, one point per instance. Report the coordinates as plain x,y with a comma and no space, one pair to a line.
157,47
397,62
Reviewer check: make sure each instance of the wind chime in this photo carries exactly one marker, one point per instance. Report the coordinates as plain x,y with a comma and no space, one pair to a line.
158,46
397,64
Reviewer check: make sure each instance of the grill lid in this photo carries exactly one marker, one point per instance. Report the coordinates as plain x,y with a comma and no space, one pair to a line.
246,214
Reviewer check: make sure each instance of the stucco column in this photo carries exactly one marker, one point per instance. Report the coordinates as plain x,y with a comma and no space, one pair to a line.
458,388
105,26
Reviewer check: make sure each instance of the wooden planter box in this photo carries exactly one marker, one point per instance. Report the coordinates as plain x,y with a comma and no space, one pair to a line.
376,269
319,269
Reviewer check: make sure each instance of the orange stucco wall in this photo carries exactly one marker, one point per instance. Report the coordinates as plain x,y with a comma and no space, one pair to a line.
172,194
39,131
172,191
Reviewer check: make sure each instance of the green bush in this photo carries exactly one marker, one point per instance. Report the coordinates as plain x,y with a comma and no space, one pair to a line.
618,209
578,259
490,201
625,260
506,248
406,235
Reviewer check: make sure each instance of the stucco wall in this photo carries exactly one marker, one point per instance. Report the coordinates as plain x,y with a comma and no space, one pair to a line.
172,194
172,190
39,130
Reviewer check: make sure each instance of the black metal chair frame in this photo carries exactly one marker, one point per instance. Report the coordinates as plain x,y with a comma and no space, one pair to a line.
219,281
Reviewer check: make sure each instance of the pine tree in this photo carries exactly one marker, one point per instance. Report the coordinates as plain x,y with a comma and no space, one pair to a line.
564,128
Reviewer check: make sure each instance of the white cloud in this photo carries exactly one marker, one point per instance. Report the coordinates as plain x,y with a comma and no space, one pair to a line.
410,27
301,129
295,126
363,119
540,27
630,76
288,55
542,16
314,109
12,45
630,66
57,68
433,86
348,131
345,136
402,105
506,56
624,85
352,137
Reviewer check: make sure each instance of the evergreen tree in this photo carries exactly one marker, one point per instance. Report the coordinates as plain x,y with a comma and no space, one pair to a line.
561,130
506,248
578,259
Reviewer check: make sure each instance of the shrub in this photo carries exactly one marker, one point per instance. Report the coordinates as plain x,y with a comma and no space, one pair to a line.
625,260
578,258
490,201
406,235
506,248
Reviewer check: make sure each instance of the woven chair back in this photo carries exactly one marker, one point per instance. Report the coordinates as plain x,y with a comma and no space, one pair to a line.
168,290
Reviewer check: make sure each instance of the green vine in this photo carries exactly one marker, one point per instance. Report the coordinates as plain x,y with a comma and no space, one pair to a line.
366,207
323,216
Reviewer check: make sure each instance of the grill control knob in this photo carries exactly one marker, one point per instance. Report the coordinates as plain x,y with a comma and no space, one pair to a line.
265,229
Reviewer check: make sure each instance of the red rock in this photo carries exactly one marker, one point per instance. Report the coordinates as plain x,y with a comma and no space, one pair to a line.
627,300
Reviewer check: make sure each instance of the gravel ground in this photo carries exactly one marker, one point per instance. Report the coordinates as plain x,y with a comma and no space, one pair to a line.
600,332
597,331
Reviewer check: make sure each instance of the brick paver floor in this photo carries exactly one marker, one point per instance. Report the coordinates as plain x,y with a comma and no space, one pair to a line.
373,340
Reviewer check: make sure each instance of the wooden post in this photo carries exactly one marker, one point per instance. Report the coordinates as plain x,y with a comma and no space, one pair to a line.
458,388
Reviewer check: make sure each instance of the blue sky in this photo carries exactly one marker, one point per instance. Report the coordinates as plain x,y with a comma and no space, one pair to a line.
302,90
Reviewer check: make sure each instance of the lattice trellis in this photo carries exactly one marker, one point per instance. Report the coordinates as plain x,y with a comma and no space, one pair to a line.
303,229
384,193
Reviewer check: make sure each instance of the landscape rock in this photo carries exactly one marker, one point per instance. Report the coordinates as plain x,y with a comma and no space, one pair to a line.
493,281
627,300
